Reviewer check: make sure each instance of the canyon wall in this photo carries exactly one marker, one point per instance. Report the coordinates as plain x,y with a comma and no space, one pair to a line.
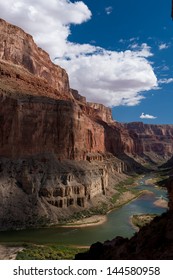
154,241
32,91
35,125
41,190
18,47
53,160
151,139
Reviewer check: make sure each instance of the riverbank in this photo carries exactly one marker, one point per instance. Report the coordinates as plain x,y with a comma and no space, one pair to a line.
89,221
126,193
96,220
124,199
9,253
139,221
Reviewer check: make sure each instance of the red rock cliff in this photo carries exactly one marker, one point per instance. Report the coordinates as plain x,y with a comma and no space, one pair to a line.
34,117
18,47
30,94
151,139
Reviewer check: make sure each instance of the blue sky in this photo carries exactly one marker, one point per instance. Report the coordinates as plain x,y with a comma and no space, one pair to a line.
116,52
129,23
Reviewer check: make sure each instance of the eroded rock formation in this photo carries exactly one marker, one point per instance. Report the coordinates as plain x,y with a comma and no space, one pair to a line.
43,190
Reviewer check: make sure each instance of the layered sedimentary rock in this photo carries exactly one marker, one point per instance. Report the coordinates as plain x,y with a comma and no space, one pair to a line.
151,139
76,127
18,47
53,156
33,125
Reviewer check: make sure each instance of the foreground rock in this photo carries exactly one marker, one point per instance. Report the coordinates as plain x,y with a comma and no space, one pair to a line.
9,253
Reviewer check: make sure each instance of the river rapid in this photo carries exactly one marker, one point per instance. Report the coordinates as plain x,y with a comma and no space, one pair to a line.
117,224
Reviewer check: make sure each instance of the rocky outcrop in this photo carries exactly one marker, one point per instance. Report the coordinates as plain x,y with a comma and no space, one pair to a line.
33,88
81,99
101,112
93,110
18,47
52,148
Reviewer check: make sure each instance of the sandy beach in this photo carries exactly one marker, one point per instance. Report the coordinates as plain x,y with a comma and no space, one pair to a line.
161,203
90,221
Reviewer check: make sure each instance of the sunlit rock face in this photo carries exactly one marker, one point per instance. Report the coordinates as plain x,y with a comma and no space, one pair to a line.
18,47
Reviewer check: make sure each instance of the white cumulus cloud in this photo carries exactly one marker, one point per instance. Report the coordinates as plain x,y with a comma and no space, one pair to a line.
112,78
147,116
165,81
47,21
163,46
109,10
109,77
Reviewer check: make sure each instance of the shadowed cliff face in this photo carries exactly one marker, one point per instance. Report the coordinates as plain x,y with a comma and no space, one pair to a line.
153,241
41,190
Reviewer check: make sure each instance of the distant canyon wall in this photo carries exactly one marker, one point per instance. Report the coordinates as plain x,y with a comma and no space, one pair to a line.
151,139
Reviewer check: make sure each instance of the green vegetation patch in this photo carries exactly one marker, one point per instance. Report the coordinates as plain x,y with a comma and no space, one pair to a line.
101,209
128,182
48,252
123,187
142,220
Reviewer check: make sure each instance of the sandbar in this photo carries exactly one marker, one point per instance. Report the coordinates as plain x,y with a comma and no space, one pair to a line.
161,203
89,221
